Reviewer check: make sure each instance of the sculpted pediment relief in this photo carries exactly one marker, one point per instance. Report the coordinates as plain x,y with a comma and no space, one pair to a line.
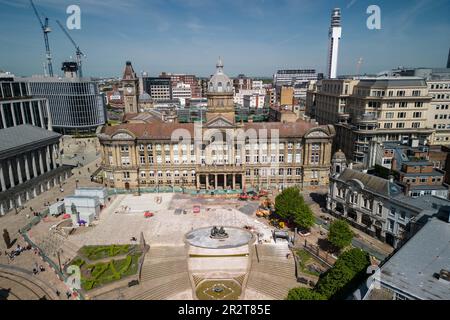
122,136
220,123
317,134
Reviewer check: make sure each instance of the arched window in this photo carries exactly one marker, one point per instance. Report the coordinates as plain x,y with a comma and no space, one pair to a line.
219,87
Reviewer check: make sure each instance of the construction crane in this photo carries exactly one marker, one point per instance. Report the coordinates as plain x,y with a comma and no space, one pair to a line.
78,51
46,30
359,65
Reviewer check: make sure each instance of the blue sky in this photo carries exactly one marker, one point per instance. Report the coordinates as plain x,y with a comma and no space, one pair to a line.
255,37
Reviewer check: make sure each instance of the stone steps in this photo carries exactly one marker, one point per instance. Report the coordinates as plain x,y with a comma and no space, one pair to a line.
273,275
164,274
23,286
271,288
166,252
164,291
159,270
283,270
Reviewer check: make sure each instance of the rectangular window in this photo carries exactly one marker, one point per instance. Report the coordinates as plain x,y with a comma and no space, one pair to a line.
126,161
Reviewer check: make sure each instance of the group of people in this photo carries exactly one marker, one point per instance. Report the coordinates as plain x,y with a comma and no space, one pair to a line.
37,269
16,252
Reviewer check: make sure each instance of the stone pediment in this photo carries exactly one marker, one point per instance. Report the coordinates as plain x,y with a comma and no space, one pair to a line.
220,122
123,136
317,134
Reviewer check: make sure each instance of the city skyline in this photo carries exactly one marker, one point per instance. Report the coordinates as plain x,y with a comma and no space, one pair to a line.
182,37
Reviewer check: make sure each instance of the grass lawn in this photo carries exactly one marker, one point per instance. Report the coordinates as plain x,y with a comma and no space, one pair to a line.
101,252
229,290
305,259
96,274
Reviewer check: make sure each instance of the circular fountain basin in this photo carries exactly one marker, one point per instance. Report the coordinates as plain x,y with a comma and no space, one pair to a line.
201,238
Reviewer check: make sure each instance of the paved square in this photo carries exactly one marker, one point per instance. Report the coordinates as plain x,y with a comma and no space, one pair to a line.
124,219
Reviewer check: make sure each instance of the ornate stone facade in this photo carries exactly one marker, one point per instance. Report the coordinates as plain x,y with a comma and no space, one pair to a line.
218,155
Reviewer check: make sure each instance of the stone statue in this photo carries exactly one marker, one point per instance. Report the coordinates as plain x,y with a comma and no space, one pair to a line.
222,232
73,208
214,231
218,233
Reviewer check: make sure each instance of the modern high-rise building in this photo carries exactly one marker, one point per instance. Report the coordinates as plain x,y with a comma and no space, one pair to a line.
188,79
334,38
18,107
372,109
448,59
76,105
160,89
293,77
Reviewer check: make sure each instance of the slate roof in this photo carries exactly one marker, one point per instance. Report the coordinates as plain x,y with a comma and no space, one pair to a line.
384,82
160,130
24,135
412,268
371,182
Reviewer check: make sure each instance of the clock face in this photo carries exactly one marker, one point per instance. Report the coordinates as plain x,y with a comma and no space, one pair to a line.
129,90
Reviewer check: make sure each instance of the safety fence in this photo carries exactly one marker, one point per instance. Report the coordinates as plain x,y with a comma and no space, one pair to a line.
175,190
24,233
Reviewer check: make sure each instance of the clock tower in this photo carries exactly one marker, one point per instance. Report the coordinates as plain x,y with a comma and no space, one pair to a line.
130,89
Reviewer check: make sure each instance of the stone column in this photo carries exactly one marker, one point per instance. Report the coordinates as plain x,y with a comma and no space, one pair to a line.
41,161
322,153
54,156
48,158
33,120
33,163
234,181
359,217
41,117
207,181
13,114
19,170
2,178
3,116
23,113
11,175
198,181
216,182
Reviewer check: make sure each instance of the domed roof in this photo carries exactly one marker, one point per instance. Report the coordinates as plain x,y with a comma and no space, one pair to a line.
339,155
145,97
220,82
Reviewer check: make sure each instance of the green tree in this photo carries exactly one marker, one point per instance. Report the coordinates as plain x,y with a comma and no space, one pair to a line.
340,234
303,217
345,276
304,294
356,259
288,202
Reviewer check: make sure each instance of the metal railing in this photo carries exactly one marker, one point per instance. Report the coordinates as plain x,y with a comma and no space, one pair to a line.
24,233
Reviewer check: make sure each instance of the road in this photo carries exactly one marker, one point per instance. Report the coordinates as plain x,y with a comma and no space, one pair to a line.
357,243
